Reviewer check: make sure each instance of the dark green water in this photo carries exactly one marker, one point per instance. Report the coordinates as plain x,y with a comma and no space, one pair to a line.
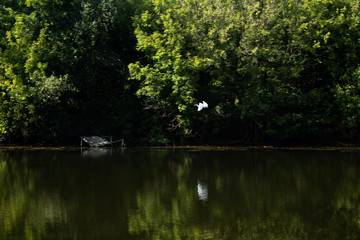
179,194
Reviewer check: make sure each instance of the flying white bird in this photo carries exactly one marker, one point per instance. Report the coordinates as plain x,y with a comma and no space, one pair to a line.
202,105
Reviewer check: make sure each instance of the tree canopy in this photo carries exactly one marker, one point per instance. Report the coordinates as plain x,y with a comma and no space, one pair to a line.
271,71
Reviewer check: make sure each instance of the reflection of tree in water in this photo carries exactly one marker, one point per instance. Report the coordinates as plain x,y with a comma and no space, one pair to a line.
166,212
346,204
24,212
266,196
160,194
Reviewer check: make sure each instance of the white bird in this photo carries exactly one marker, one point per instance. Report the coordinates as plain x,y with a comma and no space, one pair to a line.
202,105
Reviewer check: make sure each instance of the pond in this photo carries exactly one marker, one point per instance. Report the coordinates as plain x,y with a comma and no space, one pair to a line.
179,194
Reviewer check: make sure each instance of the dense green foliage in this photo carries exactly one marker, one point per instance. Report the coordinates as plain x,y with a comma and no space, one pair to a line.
272,71
64,69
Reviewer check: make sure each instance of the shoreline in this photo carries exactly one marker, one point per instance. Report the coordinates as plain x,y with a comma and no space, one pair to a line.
191,148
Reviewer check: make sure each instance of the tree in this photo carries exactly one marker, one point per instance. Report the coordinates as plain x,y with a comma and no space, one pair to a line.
64,66
26,87
278,68
189,47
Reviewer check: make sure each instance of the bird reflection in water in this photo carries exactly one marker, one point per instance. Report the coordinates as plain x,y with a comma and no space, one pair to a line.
202,191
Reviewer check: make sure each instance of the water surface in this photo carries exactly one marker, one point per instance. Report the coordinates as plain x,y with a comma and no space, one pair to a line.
179,194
